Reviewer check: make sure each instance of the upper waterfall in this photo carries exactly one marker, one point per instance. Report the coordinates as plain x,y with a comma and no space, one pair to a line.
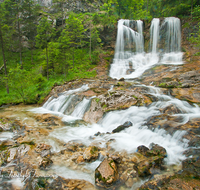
130,59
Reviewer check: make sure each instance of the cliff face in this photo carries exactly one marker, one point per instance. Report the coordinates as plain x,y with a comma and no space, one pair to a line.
75,5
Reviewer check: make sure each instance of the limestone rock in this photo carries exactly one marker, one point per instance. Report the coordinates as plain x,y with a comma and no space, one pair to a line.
90,153
122,127
142,150
45,163
106,173
157,150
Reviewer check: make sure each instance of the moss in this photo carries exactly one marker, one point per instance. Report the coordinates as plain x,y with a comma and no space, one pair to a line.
104,106
135,97
97,100
93,150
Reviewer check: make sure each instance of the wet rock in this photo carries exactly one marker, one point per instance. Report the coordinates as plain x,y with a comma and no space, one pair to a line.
113,100
90,153
22,150
74,146
116,157
41,147
57,183
106,173
157,150
143,150
49,119
169,123
12,155
80,159
46,162
172,109
191,167
122,127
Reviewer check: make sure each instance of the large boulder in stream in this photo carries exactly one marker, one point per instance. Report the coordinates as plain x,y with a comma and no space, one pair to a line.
122,127
113,100
150,159
106,173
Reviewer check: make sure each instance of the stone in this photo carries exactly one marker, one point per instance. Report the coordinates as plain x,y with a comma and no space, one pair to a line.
157,150
90,153
106,173
191,167
122,127
45,163
142,150
13,154
41,147
80,159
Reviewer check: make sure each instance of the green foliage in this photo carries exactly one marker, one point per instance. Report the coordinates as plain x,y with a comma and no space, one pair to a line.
195,38
196,12
45,33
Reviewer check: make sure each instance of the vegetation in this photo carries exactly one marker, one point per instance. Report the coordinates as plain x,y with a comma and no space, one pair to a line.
37,53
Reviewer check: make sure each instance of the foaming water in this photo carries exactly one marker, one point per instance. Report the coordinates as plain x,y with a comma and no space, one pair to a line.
6,135
59,106
128,139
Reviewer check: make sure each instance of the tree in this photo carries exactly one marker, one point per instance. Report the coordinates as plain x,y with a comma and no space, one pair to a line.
59,5
4,33
73,33
45,32
30,16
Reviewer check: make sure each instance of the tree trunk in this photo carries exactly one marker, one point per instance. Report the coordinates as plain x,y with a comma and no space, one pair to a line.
31,55
4,60
47,57
20,42
90,41
191,8
73,56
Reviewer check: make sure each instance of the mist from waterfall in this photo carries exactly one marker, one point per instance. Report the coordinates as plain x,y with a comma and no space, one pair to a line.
130,60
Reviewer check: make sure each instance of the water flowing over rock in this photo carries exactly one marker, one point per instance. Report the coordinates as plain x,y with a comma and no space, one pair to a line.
129,51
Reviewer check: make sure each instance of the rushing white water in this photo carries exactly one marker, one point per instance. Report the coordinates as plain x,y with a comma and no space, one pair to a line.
130,60
132,137
154,35
81,108
138,134
58,106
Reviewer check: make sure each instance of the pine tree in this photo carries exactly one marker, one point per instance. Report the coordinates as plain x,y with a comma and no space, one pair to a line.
45,32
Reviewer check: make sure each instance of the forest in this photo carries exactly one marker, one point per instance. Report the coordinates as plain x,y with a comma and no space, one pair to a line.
45,46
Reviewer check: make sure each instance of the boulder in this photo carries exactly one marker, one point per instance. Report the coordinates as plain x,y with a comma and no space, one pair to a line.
90,153
122,127
157,150
45,163
191,167
142,150
106,173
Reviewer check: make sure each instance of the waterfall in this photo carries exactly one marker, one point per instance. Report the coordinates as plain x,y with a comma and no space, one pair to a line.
154,35
130,60
81,108
129,47
68,105
173,54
